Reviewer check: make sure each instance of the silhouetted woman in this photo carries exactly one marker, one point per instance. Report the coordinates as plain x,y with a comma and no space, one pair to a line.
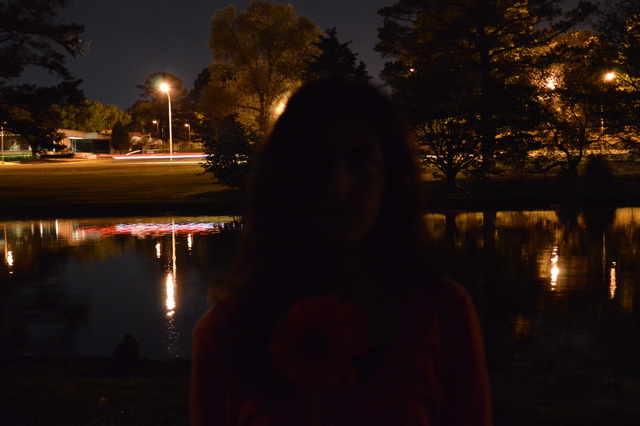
337,313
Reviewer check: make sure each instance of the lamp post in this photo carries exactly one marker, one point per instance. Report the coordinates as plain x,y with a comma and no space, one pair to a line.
189,130
165,88
2,138
157,128
608,78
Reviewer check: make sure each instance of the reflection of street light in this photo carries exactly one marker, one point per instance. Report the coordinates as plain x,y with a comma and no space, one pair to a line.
189,129
165,88
157,128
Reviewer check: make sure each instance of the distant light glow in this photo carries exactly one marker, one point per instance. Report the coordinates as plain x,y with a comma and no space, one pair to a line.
158,157
158,250
551,83
9,258
609,76
190,241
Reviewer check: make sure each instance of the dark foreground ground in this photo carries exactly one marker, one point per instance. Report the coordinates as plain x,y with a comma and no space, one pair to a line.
90,391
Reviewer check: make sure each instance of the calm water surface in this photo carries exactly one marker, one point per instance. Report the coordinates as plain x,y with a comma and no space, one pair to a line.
555,290
76,287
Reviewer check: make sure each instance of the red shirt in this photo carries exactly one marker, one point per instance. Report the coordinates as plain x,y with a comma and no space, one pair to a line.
433,372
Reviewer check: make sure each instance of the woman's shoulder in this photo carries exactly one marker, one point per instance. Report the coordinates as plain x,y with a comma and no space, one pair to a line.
442,290
216,317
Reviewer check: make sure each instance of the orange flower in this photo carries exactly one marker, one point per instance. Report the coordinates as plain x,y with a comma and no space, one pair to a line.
315,344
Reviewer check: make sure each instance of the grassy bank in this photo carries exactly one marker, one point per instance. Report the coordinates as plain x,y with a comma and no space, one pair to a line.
81,188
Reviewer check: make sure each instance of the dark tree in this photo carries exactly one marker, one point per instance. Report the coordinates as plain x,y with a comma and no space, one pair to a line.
194,97
120,140
32,35
335,59
191,106
229,152
470,58
614,18
153,105
28,111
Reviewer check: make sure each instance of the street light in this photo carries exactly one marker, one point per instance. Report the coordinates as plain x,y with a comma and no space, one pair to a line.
157,128
2,138
189,129
608,78
165,88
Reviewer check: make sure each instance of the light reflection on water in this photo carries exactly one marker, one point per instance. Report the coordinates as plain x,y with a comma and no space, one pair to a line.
555,290
75,287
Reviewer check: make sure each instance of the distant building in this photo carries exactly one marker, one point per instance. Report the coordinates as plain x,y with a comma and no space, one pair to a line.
77,141
90,142
14,144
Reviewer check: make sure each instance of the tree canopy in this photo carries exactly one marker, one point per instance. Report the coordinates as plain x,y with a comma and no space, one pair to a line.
32,35
464,63
120,140
153,105
577,96
91,116
229,152
259,55
335,59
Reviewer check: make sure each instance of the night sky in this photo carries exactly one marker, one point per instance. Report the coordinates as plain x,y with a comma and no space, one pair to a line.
130,39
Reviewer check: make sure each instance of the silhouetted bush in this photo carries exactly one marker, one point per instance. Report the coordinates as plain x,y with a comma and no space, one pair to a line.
229,152
598,173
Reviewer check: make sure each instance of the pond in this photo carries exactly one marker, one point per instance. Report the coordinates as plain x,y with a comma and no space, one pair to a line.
555,289
76,287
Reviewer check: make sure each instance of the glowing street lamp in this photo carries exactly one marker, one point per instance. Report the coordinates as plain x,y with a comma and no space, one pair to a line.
165,88
189,129
157,128
2,138
608,78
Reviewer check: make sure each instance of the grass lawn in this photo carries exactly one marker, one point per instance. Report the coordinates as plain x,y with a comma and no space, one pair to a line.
87,391
107,187
110,187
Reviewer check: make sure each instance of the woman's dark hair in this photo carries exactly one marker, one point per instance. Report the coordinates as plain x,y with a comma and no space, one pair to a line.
278,261
292,163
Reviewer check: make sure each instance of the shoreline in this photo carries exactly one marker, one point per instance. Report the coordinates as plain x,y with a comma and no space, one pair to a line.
88,366
475,195
108,188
